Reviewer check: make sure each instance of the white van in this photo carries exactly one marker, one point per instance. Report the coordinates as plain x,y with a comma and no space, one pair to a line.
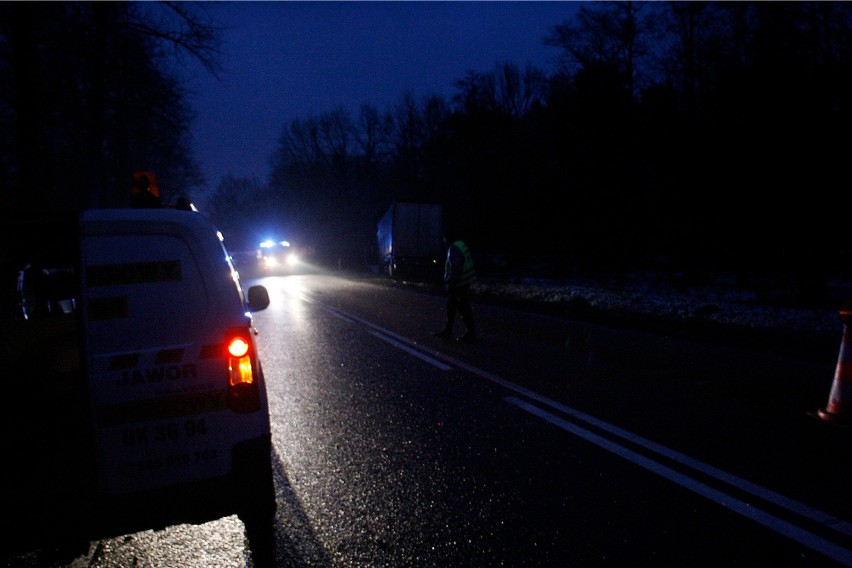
139,400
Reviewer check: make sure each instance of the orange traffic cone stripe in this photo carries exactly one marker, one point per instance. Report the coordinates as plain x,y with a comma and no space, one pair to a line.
839,407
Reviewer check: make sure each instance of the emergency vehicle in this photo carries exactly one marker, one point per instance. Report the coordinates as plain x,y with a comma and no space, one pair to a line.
277,256
135,395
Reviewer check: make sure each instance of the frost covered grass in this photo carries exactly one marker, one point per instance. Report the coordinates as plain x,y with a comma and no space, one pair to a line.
765,314
720,303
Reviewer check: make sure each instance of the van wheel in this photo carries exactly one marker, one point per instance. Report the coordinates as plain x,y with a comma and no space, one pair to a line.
260,533
257,512
256,505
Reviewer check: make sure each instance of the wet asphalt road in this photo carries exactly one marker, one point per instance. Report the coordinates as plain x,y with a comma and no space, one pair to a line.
548,443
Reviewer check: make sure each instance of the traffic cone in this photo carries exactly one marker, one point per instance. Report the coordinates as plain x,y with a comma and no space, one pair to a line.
839,408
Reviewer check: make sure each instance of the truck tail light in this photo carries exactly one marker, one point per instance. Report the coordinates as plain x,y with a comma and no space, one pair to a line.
243,388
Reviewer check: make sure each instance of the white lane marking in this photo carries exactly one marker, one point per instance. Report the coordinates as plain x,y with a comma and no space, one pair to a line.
791,505
340,315
790,530
378,328
820,517
390,337
414,352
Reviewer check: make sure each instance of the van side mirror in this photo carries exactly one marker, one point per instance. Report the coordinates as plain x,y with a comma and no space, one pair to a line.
258,298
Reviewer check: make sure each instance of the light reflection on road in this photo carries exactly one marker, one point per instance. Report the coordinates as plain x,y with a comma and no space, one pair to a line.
218,543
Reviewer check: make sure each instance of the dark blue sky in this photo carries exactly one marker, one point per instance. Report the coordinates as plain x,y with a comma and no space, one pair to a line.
294,60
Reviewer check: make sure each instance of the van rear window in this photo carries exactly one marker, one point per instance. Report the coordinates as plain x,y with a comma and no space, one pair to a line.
143,290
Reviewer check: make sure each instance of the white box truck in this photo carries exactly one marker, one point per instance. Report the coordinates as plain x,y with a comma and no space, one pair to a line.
410,240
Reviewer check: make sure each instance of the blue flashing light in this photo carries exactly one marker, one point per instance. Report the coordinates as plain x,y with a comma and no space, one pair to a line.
269,243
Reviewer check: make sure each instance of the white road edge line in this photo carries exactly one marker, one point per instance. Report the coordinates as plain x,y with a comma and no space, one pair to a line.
792,505
414,352
390,337
820,517
790,530
378,328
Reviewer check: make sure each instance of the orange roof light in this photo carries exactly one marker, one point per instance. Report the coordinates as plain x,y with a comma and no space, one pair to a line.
144,191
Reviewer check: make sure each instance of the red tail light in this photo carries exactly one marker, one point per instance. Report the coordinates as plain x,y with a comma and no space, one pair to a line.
238,347
243,389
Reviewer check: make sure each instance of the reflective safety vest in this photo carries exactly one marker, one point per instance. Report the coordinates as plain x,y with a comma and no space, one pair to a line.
468,275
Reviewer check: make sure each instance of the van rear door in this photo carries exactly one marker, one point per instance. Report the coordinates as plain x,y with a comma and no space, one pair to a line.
158,379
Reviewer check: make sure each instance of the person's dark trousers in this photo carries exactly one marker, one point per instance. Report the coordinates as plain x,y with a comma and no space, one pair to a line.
458,301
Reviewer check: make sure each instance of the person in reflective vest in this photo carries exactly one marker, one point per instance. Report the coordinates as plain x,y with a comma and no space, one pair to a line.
459,274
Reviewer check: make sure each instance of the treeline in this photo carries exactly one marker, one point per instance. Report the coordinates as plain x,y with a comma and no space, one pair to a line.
684,136
89,93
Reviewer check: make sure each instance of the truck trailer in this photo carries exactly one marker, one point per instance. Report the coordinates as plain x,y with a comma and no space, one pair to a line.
410,240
